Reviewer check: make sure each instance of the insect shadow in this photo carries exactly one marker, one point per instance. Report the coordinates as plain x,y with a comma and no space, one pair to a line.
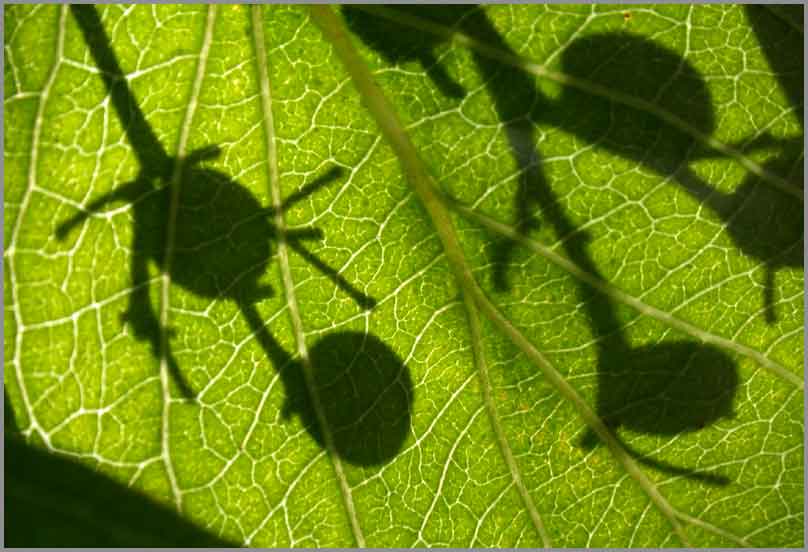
782,46
778,30
364,388
665,389
643,389
221,246
764,222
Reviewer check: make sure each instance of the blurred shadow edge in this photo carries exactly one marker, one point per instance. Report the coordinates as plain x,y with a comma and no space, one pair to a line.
53,501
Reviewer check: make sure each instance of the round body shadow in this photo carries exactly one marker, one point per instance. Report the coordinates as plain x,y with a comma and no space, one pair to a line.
366,394
669,389
223,236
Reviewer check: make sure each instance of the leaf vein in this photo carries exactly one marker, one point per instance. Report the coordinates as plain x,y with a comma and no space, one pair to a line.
286,272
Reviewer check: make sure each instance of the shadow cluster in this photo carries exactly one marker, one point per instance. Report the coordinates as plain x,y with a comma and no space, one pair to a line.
764,222
663,389
222,241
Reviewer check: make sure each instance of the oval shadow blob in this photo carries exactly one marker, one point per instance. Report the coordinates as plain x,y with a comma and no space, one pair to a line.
669,389
224,237
366,394
637,67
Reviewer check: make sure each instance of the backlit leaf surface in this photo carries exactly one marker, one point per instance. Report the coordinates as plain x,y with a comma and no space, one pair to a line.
584,130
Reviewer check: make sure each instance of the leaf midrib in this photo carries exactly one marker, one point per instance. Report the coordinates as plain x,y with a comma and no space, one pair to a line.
286,272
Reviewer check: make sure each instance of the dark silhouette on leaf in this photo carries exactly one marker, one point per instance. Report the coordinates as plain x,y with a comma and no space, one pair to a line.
676,387
760,219
764,223
658,406
779,31
665,389
627,65
511,90
222,245
54,501
405,45
364,388
223,237
791,14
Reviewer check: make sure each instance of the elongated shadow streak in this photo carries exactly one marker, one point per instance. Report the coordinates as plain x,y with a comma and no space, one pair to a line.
713,479
651,378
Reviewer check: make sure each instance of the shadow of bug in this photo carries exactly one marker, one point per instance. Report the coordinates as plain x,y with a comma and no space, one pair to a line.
596,69
644,389
764,223
220,237
665,389
212,237
364,393
222,244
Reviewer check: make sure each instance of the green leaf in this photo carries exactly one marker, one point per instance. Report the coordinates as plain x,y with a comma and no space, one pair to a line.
52,507
425,276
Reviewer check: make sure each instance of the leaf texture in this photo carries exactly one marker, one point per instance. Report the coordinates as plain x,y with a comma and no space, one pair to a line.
538,280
